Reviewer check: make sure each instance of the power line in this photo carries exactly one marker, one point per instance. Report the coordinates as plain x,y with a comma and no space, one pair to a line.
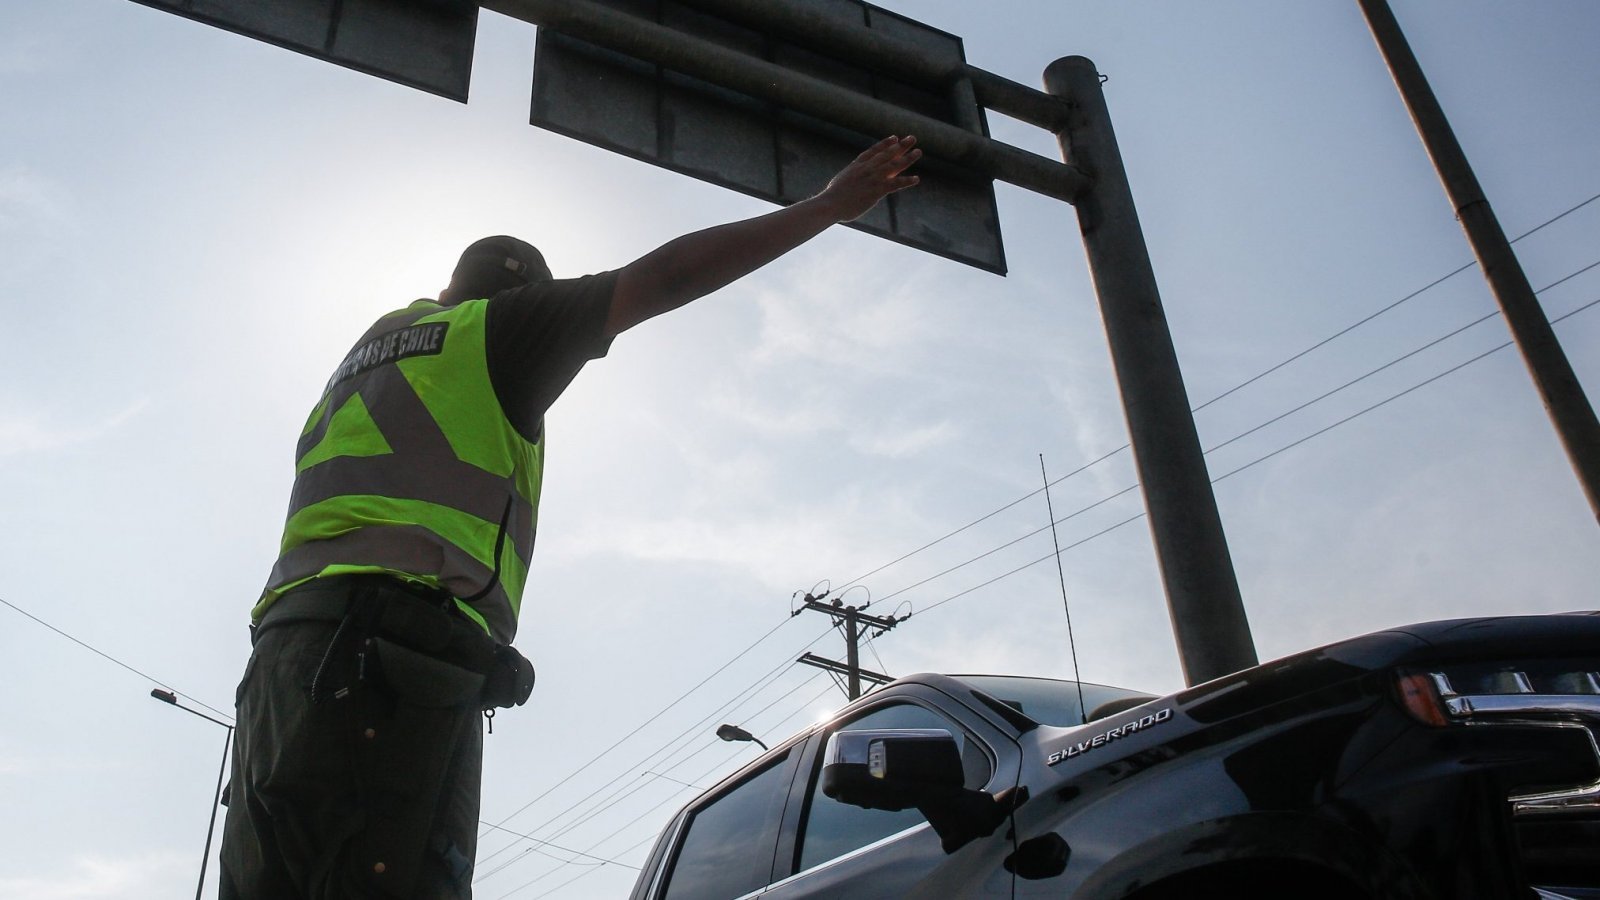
1552,221
1102,532
727,708
1352,327
655,757
629,849
1435,283
598,860
676,781
1567,278
1261,459
561,865
984,518
620,741
706,745
1078,512
716,766
872,645
1333,337
760,684
629,823
1354,381
108,657
1399,359
1450,371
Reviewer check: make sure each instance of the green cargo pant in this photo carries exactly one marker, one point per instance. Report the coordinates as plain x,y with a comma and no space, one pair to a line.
370,793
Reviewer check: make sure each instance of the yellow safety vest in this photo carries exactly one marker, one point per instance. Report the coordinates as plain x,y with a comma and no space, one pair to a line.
408,466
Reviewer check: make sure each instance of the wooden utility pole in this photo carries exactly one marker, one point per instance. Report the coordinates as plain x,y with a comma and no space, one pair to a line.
853,619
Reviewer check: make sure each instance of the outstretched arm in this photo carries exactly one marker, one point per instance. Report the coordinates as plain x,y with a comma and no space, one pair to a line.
694,265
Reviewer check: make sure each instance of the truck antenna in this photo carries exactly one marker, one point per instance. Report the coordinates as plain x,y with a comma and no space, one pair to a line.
1062,577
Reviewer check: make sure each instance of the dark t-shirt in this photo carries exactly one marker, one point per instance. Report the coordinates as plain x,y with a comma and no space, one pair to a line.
538,337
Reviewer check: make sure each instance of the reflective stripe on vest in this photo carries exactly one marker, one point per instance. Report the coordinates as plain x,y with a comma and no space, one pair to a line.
409,466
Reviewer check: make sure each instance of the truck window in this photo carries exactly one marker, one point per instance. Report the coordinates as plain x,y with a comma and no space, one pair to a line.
719,857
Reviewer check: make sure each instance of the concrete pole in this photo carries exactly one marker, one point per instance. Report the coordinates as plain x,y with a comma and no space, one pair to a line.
1208,617
1557,384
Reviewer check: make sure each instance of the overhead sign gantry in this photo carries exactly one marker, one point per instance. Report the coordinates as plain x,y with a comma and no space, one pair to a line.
761,95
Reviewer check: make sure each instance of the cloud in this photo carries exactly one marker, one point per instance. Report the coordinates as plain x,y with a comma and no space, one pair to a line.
900,443
10,765
858,315
145,875
28,432
778,544
796,416
766,548
29,200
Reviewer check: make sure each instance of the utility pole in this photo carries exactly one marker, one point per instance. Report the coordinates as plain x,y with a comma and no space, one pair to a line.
853,619
1558,386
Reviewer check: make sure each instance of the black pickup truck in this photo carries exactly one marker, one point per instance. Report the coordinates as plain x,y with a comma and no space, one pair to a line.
1449,761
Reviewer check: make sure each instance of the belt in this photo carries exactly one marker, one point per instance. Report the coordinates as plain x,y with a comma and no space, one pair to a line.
328,597
415,615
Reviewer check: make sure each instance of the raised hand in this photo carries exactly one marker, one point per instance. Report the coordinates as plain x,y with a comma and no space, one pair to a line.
878,172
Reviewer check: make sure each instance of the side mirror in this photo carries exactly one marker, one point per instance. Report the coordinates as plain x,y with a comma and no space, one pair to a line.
890,769
895,769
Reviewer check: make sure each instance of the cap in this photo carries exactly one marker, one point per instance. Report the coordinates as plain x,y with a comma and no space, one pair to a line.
493,264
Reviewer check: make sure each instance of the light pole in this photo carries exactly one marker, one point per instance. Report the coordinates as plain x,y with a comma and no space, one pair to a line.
171,699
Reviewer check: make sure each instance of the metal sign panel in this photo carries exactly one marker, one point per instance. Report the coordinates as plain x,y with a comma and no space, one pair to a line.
424,44
729,138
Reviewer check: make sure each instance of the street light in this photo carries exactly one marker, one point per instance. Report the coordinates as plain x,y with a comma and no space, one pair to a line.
171,699
735,733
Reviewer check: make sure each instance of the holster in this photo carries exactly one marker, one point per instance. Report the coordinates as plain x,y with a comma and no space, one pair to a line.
508,676
510,681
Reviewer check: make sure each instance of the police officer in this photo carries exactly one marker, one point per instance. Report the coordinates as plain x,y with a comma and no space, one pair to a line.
386,624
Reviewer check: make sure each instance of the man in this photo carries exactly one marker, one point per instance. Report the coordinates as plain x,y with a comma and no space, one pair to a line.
385,625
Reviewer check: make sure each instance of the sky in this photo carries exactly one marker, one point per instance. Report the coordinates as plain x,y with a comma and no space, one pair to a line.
195,226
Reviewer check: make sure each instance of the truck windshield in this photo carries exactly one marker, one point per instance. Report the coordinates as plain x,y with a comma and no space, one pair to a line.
1050,701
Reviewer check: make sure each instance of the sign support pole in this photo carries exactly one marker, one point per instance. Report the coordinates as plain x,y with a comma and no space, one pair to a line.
1208,617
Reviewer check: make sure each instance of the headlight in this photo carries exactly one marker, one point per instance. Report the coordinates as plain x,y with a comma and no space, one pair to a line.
1477,693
